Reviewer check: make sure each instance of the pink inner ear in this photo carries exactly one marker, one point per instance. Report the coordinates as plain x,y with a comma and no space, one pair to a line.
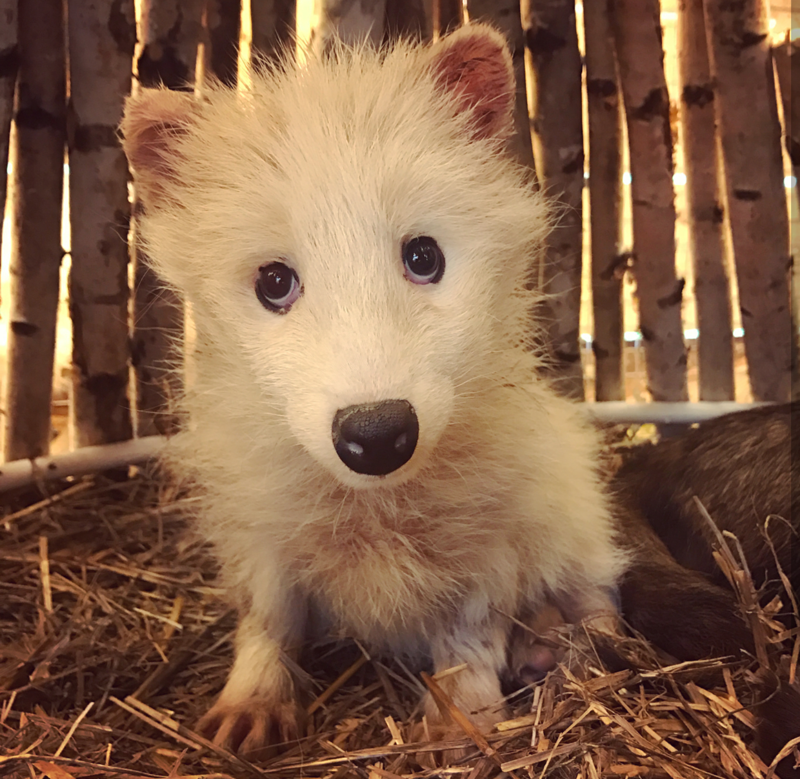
153,121
476,66
151,152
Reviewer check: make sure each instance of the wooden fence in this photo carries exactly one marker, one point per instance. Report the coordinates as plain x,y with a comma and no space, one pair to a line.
64,73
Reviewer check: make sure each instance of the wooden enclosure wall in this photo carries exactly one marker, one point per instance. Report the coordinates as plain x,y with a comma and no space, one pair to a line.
589,81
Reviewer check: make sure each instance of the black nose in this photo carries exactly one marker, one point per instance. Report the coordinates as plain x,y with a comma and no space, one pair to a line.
376,438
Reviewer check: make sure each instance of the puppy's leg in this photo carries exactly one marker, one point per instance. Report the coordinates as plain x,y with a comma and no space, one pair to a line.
597,608
257,706
477,639
548,635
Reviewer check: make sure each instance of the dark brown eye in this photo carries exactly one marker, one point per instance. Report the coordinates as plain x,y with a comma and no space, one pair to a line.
423,260
277,287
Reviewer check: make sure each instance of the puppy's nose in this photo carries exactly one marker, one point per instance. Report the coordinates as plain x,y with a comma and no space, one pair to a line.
375,438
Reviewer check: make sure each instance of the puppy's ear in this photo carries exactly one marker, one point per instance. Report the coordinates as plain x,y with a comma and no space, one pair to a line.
474,65
154,124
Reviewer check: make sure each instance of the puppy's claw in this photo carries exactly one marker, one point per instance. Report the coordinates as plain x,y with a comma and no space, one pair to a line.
253,728
445,757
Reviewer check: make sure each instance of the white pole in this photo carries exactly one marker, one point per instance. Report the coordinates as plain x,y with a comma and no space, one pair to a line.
622,413
91,459
85,460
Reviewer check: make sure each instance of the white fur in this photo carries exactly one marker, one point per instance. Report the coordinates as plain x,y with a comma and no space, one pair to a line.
329,167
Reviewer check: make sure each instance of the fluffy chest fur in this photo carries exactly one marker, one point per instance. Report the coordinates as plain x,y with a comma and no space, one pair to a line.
385,571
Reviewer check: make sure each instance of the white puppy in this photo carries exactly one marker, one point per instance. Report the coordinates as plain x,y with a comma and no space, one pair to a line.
367,432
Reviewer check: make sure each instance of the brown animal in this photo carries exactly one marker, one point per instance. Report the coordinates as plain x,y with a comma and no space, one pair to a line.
745,470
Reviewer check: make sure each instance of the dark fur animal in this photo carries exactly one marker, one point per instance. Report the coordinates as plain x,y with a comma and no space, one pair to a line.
744,468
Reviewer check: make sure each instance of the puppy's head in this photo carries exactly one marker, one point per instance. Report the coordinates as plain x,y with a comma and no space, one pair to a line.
351,231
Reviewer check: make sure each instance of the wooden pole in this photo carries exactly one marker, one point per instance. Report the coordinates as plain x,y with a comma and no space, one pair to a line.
169,32
712,291
223,21
102,36
274,23
787,65
409,19
553,72
445,16
605,202
9,64
352,20
637,35
36,252
505,16
747,112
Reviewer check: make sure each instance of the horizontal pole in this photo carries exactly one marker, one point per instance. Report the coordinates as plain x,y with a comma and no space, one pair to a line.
88,459
619,412
91,459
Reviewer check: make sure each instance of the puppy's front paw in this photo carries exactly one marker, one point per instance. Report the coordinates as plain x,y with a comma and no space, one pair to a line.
253,727
441,727
438,730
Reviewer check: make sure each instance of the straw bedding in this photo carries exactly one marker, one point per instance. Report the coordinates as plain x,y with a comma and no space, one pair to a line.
114,640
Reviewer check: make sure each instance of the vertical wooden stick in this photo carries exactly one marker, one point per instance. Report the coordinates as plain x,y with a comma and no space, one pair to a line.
410,19
223,23
787,65
273,24
351,20
36,251
101,42
9,64
553,71
637,33
169,32
747,111
605,202
712,291
446,15
505,15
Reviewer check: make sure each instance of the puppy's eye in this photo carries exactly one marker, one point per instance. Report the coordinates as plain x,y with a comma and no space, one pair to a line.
277,287
423,260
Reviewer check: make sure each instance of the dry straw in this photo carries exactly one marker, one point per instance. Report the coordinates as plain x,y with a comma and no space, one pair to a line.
114,640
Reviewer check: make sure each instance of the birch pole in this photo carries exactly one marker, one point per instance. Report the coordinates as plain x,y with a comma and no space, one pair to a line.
712,291
9,64
273,24
410,19
102,36
637,34
167,54
505,16
750,132
605,202
445,15
223,20
787,65
553,72
36,250
353,21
